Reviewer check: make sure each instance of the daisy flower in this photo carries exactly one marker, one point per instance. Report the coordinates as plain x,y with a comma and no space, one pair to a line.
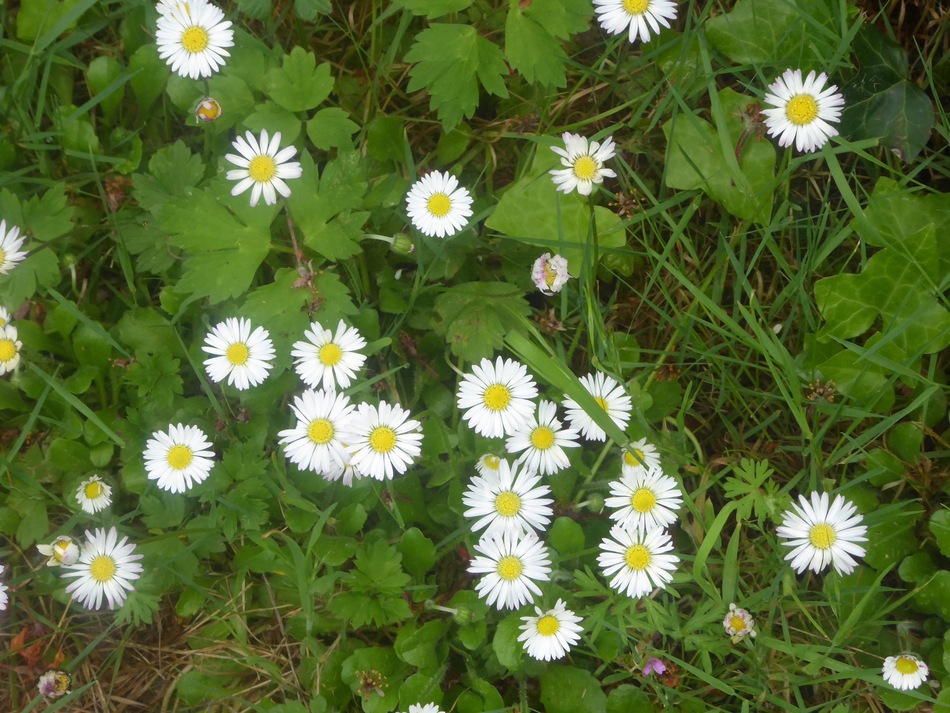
328,359
208,109
584,163
637,560
821,534
543,441
508,501
4,598
178,459
738,623
550,634
437,205
511,565
904,672
383,440
63,550
638,17
610,396
94,495
238,354
106,567
315,442
5,317
427,708
345,471
262,167
54,684
10,244
801,110
639,457
646,500
496,397
550,273
489,463
9,349
192,36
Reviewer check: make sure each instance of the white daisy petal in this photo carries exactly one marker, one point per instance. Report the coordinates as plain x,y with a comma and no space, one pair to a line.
106,568
496,397
316,441
635,17
263,166
738,623
550,273
10,244
178,459
508,501
637,561
511,565
383,441
550,634
611,397
584,164
10,347
238,355
436,206
821,534
329,360
94,495
904,672
646,500
541,441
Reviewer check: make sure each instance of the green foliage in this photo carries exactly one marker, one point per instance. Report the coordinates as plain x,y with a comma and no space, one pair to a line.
300,84
533,35
375,587
433,8
752,489
474,317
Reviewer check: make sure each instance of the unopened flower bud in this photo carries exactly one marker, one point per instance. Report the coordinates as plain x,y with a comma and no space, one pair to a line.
402,244
207,110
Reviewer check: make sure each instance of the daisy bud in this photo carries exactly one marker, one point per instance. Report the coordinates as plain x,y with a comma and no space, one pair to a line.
63,551
550,273
208,110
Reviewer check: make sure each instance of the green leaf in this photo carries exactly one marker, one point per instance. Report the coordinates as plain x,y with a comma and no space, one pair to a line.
566,536
38,269
450,63
418,552
310,10
893,539
433,8
42,218
149,76
894,213
561,18
940,527
37,17
274,119
532,51
331,127
473,316
173,171
369,666
424,647
103,71
299,84
565,689
257,9
626,698
505,644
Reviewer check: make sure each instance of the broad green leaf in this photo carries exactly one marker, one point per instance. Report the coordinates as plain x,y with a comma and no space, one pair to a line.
433,8
422,647
257,9
505,644
173,172
39,269
103,71
894,213
860,378
565,689
474,317
940,527
843,306
149,76
41,218
391,671
626,698
892,540
274,119
300,84
310,10
561,18
281,305
147,330
566,536
532,51
37,17
331,127
418,552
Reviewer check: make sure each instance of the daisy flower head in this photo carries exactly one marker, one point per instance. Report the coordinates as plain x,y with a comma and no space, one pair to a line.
496,397
315,442
5,317
584,163
345,471
241,356
638,457
438,206
645,501
508,501
904,672
106,567
738,623
10,244
178,459
262,166
637,560
511,565
383,440
550,273
489,463
802,109
10,347
4,597
63,550
550,634
637,17
192,37
427,708
326,359
610,396
94,495
54,684
542,441
820,533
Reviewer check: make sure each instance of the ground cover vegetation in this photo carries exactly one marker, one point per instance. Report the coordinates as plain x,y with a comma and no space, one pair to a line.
577,356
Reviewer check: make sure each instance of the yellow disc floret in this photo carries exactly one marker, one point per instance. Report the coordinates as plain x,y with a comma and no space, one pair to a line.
802,109
179,457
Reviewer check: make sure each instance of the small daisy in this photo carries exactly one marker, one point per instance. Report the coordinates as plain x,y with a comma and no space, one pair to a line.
550,273
511,565
496,397
54,684
821,534
638,17
5,317
489,463
262,166
427,708
10,244
315,442
327,359
904,672
192,36
208,110
543,441
4,597
94,495
639,457
63,550
345,472
801,110
637,560
178,459
550,634
585,163
610,396
9,349
238,354
509,501
646,500
383,440
106,567
438,206
738,623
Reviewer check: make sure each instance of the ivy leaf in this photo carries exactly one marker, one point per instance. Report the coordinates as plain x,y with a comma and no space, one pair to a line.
473,316
433,8
450,63
532,51
300,84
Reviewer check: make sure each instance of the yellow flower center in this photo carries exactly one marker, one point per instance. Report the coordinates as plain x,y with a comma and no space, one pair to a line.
585,168
497,397
637,557
330,354
492,462
3,257
507,504
382,439
7,349
262,168
802,109
238,353
822,536
736,623
320,431
630,458
542,438
439,205
643,500
102,568
509,568
179,457
601,402
550,275
194,39
547,625
93,490
60,547
906,665
636,7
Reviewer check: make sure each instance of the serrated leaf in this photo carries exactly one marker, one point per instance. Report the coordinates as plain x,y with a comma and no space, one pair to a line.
300,84
433,8
561,18
331,127
39,269
257,9
173,171
532,51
